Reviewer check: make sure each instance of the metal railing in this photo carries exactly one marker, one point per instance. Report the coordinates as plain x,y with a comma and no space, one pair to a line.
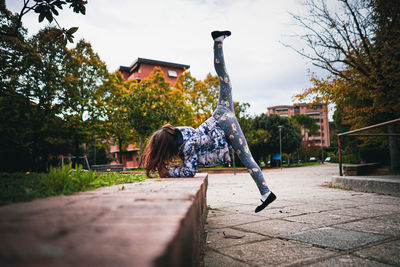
353,133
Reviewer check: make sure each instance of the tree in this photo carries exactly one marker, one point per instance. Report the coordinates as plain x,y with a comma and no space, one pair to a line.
31,127
304,124
290,138
359,44
201,96
80,107
151,104
115,126
45,9
39,77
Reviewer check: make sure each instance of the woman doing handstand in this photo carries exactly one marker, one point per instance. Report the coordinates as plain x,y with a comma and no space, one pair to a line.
207,145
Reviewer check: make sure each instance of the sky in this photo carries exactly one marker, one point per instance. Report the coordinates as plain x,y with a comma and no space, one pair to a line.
263,72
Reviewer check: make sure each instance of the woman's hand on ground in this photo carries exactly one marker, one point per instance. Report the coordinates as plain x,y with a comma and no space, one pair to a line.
163,172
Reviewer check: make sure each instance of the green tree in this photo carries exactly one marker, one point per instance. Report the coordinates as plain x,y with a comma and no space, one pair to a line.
80,106
291,140
359,44
46,9
33,88
304,124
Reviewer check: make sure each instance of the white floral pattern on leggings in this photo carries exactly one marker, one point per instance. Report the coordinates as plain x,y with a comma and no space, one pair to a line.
205,146
208,145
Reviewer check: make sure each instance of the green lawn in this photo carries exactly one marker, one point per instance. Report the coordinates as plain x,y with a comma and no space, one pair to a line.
18,187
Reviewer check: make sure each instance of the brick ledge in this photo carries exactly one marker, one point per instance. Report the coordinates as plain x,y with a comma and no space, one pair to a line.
153,223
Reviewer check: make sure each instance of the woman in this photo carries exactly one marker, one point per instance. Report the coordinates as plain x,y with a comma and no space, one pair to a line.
207,145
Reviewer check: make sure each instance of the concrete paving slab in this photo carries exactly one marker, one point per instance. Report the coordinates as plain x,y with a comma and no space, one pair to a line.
276,227
230,220
214,259
388,252
276,252
326,218
217,212
227,237
221,204
339,239
361,212
386,225
348,261
244,209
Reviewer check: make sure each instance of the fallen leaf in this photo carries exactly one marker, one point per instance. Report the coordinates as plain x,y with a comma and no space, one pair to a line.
232,236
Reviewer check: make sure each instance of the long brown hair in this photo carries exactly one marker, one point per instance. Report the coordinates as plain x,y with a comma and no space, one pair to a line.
161,149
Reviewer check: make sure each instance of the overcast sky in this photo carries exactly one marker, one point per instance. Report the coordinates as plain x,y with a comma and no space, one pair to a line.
263,72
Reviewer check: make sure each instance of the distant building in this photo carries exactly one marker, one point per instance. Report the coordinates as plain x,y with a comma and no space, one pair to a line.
142,67
139,70
319,112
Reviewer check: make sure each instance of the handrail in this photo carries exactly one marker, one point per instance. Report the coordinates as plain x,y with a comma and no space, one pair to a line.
351,133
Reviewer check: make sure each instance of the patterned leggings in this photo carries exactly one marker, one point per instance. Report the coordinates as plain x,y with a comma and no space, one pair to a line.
227,120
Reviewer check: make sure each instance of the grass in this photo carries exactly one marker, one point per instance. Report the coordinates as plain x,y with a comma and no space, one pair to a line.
339,187
19,187
303,164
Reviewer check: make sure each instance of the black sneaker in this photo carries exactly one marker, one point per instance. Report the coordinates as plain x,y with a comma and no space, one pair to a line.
216,34
265,203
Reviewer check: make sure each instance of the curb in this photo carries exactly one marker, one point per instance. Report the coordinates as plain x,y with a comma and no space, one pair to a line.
373,184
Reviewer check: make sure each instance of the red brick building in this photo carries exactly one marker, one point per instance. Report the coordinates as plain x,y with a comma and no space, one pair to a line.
319,112
141,69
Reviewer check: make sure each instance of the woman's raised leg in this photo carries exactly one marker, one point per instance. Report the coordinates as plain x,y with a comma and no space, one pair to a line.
225,86
228,122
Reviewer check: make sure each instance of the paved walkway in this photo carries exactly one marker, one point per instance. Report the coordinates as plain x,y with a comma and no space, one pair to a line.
309,223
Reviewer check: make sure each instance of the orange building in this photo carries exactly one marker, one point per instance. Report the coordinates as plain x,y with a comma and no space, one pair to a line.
319,112
141,69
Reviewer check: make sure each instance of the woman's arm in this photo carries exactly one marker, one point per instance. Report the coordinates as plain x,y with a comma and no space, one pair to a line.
189,162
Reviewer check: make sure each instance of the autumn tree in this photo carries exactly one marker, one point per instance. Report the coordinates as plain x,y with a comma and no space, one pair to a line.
201,96
112,100
359,44
153,103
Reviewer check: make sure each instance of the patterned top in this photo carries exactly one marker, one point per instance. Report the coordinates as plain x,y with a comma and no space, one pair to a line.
205,146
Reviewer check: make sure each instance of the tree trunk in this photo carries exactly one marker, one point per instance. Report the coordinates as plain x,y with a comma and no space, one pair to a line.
394,150
120,151
140,150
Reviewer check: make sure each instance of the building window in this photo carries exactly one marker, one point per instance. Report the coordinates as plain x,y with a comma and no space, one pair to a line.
172,73
296,109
